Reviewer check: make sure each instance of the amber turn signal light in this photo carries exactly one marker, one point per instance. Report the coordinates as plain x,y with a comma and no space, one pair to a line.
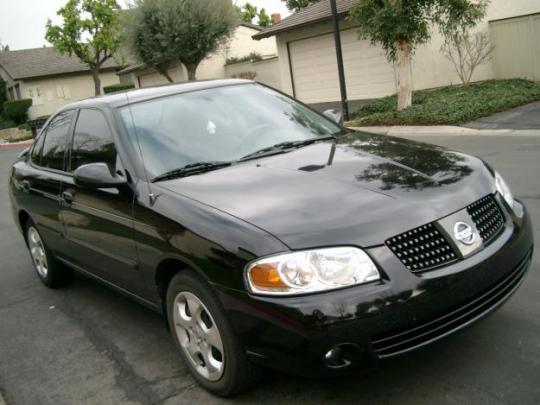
265,275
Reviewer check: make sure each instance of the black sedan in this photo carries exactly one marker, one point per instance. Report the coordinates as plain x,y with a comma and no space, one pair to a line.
268,234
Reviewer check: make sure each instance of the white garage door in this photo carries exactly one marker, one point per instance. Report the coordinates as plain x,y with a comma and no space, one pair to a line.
314,69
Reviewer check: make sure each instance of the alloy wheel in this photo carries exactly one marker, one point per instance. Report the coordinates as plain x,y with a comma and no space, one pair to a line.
198,336
37,251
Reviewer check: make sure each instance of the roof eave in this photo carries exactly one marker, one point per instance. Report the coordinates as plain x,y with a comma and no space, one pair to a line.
73,72
263,34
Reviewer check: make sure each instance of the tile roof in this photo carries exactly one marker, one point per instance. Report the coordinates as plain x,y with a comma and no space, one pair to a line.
37,62
315,12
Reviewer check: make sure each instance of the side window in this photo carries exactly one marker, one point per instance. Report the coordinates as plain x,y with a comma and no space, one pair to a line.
54,145
92,141
37,149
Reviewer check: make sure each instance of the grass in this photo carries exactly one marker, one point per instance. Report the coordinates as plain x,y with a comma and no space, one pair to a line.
450,105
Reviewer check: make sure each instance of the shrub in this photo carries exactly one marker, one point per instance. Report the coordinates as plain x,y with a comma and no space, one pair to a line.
252,57
245,75
113,88
6,123
16,110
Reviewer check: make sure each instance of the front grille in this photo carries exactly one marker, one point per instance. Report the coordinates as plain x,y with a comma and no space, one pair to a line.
420,334
488,218
423,248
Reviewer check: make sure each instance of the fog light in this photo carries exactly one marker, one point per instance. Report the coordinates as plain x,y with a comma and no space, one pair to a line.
334,358
342,355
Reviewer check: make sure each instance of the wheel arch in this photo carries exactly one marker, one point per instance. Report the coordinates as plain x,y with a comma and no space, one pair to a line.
166,270
23,217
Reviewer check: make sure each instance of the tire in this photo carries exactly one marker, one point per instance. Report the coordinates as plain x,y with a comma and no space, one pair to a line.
210,349
51,272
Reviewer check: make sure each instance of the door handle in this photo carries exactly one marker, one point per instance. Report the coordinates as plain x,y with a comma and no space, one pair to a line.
67,198
25,185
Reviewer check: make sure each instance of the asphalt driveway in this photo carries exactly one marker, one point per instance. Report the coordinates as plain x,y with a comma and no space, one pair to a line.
524,117
87,344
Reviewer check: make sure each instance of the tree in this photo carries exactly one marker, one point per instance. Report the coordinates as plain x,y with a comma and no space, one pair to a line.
467,51
264,19
248,12
189,31
90,31
148,39
400,26
3,94
4,47
297,5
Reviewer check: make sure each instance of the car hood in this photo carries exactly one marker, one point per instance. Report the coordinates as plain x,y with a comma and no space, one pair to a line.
360,190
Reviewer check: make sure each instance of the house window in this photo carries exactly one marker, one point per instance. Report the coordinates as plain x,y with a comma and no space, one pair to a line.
63,91
35,94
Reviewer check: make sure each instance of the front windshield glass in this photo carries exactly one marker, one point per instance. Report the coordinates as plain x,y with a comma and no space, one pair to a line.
218,124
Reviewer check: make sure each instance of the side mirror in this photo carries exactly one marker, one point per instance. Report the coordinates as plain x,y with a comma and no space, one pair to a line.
97,175
334,115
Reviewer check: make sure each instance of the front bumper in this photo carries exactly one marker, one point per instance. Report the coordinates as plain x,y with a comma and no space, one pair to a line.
402,312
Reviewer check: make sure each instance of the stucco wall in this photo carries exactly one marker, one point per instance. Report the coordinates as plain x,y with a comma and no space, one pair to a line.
266,71
49,94
430,67
242,43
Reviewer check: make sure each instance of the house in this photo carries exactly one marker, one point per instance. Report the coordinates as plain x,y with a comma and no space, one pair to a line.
213,67
50,79
307,57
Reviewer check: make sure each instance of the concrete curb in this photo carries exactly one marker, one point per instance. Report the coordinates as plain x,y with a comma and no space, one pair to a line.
445,130
12,145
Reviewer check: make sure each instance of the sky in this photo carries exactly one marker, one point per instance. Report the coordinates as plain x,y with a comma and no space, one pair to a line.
22,22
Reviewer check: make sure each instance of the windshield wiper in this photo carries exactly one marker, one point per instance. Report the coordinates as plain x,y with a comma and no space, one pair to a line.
284,146
192,168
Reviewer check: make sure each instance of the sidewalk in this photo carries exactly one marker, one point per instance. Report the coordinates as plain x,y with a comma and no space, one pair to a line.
444,130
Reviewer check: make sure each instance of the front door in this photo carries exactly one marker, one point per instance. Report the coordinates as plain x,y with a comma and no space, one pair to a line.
98,222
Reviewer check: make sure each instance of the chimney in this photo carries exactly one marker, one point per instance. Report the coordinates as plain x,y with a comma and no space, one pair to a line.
276,18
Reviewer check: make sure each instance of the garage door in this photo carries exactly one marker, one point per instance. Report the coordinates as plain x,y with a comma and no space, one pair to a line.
314,69
517,49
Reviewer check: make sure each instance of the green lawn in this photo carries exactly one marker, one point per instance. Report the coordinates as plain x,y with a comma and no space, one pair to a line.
450,105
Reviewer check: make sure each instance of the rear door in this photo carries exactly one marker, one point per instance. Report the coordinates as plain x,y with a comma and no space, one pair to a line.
42,181
99,222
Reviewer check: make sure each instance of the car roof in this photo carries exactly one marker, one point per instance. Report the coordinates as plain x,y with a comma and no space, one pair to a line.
148,93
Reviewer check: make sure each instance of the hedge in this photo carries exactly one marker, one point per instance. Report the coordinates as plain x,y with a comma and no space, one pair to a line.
118,87
16,110
252,57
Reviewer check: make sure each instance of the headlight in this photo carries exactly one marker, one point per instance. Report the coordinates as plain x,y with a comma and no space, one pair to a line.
503,188
310,271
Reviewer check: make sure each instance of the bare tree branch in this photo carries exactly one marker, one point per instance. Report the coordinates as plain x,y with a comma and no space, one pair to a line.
466,52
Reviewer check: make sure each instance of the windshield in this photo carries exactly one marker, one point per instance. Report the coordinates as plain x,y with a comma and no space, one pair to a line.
218,125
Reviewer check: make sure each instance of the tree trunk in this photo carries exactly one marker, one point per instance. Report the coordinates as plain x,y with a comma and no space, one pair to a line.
97,81
404,75
191,70
167,76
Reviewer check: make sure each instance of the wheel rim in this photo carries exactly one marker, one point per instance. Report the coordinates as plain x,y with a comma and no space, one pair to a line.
37,251
198,336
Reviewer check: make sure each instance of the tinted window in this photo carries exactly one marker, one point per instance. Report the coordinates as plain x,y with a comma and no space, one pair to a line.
55,141
92,140
36,150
